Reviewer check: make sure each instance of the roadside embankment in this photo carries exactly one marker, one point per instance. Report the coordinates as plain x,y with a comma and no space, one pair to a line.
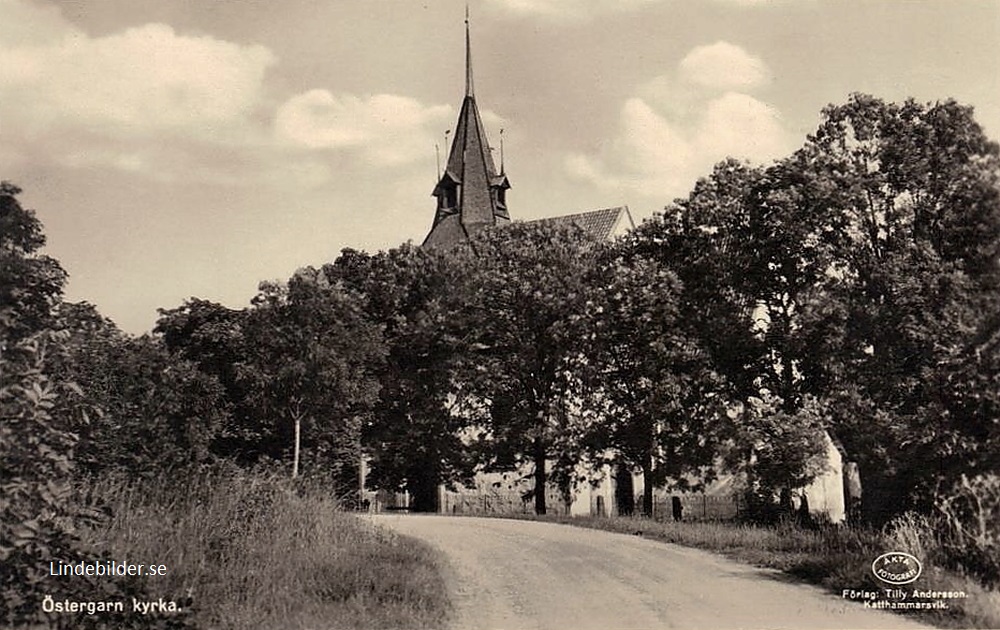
252,551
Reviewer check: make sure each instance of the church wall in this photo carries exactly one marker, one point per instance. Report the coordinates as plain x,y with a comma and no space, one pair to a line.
826,493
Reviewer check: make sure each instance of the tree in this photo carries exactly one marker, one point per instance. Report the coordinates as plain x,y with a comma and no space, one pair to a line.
212,336
748,265
524,315
45,412
31,284
41,415
310,370
151,412
415,437
912,204
704,241
660,402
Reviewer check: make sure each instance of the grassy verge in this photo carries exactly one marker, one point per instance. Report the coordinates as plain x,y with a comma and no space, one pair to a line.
251,551
835,558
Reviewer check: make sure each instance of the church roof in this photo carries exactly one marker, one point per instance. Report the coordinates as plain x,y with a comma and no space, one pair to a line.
602,224
470,191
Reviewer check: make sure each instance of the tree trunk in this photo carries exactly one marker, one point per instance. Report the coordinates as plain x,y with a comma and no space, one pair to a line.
298,434
647,487
624,491
422,482
539,476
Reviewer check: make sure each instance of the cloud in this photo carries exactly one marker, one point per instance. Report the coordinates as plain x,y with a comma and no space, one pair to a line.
388,128
672,132
570,9
150,101
588,9
723,66
145,79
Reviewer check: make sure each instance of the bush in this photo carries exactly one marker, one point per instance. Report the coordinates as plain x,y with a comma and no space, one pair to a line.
969,514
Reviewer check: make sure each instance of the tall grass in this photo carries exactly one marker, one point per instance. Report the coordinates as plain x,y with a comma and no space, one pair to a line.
833,557
255,551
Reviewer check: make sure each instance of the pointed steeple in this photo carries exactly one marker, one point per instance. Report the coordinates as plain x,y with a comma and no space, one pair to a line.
469,91
471,194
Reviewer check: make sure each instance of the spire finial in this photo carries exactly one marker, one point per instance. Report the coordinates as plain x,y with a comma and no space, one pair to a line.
501,151
468,55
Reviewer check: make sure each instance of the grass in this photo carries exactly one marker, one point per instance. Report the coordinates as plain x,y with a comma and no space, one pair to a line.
834,558
253,551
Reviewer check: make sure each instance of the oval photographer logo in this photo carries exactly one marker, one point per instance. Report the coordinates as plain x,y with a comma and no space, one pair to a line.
897,567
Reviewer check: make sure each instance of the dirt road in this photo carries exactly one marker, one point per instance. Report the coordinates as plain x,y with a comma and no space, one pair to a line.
520,575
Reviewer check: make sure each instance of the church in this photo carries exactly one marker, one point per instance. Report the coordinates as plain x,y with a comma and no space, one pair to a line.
471,195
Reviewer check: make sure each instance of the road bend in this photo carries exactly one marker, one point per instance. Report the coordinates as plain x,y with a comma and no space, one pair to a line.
527,575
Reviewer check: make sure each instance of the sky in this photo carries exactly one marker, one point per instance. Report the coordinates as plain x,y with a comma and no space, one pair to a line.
193,148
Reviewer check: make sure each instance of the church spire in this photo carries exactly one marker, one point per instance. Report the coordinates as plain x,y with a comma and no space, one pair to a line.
471,193
468,57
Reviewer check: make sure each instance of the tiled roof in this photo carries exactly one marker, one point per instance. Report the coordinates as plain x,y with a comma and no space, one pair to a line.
599,223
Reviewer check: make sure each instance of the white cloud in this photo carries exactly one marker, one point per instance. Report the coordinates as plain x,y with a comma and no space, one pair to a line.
390,129
386,129
742,126
149,101
145,79
25,24
571,9
723,66
588,9
669,135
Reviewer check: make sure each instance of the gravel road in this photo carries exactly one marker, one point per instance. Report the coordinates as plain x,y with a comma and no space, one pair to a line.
520,575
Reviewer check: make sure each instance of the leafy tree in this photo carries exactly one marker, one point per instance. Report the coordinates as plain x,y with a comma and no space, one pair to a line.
309,371
748,267
415,437
31,284
37,442
40,415
525,314
775,449
912,204
705,241
212,336
152,412
44,413
661,401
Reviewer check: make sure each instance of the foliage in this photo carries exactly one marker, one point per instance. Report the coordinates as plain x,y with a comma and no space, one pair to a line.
415,436
912,206
776,450
44,412
650,379
37,442
748,269
31,284
212,337
41,416
858,273
702,240
525,315
310,360
969,512
154,412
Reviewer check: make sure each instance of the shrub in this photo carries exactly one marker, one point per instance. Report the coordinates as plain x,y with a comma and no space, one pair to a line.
970,524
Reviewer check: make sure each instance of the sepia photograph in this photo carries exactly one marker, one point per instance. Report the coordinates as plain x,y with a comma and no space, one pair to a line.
499,314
